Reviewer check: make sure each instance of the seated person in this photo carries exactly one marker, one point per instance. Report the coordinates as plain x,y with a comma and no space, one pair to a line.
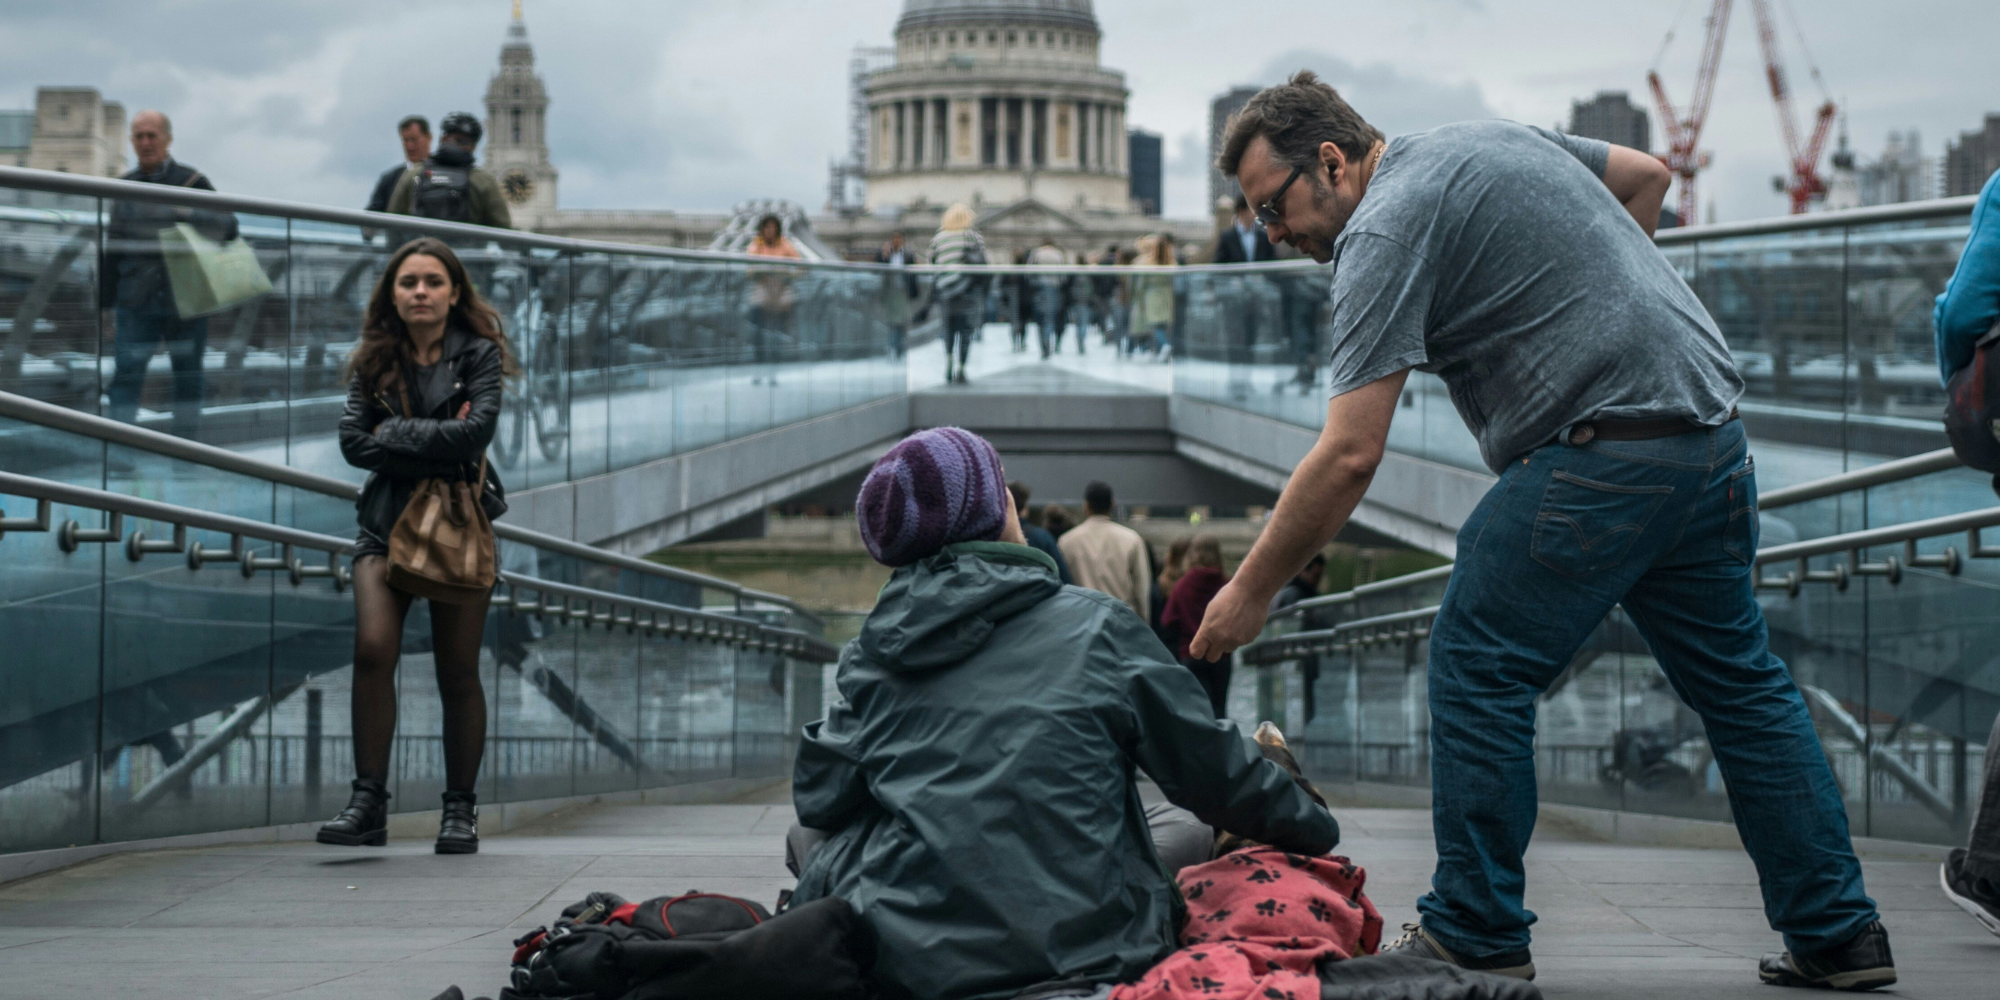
974,782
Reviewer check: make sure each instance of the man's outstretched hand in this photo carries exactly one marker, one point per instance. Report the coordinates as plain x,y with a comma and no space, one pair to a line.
1234,618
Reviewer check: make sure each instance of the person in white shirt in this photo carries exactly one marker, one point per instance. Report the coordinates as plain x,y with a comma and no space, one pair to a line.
1107,556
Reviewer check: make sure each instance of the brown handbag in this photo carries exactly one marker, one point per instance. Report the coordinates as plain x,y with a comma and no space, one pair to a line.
441,548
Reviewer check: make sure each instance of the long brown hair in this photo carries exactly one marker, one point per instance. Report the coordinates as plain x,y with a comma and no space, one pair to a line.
386,349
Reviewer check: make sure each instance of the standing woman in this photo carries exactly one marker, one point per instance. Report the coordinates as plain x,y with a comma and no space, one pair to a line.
1186,605
963,294
422,404
1153,295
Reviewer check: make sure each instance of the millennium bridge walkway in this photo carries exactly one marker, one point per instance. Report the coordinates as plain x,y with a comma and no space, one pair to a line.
177,634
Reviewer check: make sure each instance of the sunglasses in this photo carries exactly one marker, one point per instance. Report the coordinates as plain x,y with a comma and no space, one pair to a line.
1268,213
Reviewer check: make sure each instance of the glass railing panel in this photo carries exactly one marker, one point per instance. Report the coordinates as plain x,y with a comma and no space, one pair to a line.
333,270
49,312
1895,271
602,290
532,444
644,358
187,655
51,609
606,709
1393,717
706,336
312,653
666,732
1582,719
534,750
760,735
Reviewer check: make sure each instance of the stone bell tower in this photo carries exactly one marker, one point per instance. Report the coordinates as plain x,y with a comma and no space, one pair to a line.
516,146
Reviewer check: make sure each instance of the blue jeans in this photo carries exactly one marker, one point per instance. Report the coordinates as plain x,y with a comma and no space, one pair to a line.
1667,528
138,337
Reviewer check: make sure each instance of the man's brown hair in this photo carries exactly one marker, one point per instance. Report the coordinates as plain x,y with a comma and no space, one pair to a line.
1296,116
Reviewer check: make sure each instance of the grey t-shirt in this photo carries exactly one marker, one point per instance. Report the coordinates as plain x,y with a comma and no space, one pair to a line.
1492,254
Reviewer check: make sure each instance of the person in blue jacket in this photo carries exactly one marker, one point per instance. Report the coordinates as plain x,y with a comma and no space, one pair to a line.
1971,300
1966,311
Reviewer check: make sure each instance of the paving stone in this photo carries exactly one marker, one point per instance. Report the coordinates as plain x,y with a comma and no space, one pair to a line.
274,919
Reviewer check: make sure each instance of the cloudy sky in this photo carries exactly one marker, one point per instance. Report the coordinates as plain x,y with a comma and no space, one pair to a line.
676,104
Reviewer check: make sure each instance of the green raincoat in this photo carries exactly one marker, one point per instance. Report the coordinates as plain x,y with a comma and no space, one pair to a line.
979,769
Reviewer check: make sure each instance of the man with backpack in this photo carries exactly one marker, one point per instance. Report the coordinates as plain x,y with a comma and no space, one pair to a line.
449,188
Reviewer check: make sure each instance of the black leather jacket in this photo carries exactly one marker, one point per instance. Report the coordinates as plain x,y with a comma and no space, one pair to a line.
399,449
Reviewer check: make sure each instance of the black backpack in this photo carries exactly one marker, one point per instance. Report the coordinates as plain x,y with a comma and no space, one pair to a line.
1972,408
695,945
443,193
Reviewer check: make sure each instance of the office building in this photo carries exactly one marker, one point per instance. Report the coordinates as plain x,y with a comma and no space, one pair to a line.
1143,153
1612,117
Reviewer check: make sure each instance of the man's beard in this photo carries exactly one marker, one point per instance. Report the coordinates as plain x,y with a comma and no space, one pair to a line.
1318,243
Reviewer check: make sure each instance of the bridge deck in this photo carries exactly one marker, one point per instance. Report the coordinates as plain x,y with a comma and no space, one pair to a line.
304,921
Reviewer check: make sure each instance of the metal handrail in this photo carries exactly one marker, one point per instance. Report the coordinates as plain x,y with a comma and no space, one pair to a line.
1398,627
57,182
1940,460
62,418
654,617
1909,211
1391,627
1898,470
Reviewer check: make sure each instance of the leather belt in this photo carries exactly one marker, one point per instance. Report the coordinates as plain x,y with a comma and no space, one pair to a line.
1645,429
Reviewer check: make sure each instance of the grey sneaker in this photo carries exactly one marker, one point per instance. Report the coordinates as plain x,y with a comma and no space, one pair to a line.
1976,896
1862,963
1418,942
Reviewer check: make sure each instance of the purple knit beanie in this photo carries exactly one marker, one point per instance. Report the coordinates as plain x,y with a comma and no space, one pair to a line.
933,488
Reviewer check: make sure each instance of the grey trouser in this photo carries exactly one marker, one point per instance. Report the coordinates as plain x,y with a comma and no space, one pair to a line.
1178,837
1982,848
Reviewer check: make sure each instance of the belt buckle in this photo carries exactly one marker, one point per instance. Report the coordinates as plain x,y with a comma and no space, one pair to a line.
1580,435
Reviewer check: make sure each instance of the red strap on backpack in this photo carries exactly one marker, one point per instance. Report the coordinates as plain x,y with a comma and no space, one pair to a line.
755,917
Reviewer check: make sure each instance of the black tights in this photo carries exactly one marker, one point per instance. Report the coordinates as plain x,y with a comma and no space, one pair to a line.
456,631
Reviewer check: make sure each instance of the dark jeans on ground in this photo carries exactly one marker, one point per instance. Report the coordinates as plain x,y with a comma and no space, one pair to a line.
1668,528
1178,837
1214,678
139,336
1982,848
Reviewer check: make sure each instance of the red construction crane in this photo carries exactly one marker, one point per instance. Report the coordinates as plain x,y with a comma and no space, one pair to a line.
1683,156
1804,184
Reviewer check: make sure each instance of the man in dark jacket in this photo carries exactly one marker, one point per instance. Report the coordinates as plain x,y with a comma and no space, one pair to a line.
977,771
135,292
415,131
1037,536
449,188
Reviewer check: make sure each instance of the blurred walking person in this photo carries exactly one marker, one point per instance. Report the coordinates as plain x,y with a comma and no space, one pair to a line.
1107,556
415,133
449,188
1048,294
963,292
422,403
899,289
1037,535
771,297
1186,604
1967,312
1153,297
135,291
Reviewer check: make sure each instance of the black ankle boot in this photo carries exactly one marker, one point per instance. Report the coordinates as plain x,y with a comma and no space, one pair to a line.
459,831
365,821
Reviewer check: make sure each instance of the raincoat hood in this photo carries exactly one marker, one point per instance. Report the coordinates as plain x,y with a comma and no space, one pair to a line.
938,611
